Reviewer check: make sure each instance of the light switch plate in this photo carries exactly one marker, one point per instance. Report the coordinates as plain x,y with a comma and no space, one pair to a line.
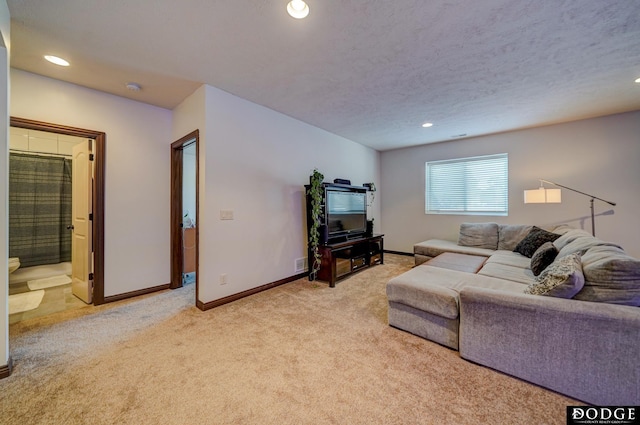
226,214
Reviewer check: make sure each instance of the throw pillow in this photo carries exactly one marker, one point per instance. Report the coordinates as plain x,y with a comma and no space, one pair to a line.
562,279
479,235
534,240
543,257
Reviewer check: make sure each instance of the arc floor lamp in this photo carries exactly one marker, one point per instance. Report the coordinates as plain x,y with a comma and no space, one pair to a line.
542,195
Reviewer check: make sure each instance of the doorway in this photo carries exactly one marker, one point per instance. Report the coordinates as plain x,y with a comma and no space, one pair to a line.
94,196
184,211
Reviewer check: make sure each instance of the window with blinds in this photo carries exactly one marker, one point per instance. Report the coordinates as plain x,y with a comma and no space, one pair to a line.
472,186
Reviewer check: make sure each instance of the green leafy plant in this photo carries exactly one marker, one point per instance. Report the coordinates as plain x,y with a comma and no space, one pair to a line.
315,194
371,187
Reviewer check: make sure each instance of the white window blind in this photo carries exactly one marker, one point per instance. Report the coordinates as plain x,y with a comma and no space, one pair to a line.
473,186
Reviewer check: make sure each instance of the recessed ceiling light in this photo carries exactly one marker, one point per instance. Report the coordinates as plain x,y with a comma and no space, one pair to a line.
298,9
427,124
56,60
637,80
133,86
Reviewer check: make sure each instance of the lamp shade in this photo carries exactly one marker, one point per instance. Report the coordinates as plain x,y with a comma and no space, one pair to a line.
535,196
543,196
554,196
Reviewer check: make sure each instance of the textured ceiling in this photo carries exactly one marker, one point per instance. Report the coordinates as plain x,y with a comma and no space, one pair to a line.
371,71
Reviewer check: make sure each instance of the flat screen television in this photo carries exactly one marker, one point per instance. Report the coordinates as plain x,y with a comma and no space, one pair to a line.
346,212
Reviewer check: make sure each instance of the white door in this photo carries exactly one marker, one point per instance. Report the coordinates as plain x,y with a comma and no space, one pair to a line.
81,239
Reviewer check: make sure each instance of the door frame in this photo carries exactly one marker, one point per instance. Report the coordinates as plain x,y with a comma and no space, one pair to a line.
98,191
177,260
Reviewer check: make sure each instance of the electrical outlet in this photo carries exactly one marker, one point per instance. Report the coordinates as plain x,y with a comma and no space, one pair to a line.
223,279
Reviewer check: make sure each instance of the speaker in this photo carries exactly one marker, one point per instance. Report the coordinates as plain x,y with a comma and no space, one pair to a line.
342,181
369,228
324,234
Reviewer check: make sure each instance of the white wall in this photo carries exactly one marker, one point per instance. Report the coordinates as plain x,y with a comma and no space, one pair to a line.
138,170
4,182
189,116
599,156
257,162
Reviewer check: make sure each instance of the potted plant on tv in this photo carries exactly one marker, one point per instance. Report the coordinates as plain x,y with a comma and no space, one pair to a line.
315,196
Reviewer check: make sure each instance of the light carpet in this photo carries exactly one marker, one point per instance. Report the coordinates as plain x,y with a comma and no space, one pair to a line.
25,301
301,353
48,282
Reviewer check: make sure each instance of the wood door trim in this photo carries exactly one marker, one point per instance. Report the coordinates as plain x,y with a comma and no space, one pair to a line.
98,191
177,261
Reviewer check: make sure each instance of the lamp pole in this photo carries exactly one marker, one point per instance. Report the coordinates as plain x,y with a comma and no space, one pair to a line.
593,221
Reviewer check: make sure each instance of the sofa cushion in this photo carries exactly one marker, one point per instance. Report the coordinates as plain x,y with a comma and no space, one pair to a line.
510,258
435,247
569,237
562,279
456,261
611,276
508,272
580,245
479,235
509,235
533,240
543,257
435,290
558,229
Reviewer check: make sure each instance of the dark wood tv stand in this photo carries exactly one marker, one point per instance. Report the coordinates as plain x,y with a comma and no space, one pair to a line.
340,259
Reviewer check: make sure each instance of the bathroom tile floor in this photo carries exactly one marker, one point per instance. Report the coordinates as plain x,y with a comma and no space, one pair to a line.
56,299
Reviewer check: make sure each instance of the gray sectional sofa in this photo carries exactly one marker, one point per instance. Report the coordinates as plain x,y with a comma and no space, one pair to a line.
573,330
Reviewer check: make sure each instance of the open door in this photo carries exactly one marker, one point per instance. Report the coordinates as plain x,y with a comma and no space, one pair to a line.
184,240
81,239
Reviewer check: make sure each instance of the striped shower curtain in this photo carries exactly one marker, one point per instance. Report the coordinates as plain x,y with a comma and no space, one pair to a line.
39,209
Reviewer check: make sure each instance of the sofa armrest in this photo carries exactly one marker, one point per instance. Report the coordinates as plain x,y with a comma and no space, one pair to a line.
588,351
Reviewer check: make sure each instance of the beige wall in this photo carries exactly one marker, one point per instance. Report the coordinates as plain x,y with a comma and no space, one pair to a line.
137,172
255,162
600,156
190,115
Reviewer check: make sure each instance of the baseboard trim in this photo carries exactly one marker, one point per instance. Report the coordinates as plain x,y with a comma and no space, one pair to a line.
137,293
235,297
407,254
6,370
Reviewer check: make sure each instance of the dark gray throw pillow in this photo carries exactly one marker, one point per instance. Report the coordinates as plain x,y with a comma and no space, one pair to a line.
534,240
543,257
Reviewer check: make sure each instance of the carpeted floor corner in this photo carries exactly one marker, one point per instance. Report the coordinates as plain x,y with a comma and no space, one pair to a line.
302,353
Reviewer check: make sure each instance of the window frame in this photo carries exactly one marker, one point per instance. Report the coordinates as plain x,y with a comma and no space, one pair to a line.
467,204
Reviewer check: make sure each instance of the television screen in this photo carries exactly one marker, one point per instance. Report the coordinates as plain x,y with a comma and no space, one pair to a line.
346,212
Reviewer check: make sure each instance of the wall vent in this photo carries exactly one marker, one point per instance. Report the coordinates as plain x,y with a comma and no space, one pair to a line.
302,265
